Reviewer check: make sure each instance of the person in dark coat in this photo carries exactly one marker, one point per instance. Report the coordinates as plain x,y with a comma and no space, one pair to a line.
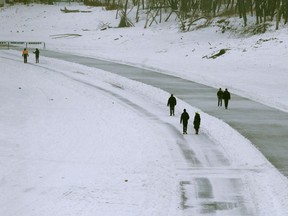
25,54
184,119
220,97
226,97
172,103
37,53
196,122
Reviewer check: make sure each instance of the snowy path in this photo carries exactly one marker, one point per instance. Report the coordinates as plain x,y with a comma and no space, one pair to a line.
57,164
265,127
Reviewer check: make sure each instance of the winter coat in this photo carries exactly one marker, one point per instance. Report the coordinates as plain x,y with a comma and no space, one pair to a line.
36,52
220,94
226,95
172,101
184,118
197,121
25,53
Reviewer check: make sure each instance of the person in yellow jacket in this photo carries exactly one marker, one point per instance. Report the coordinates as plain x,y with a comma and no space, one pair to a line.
25,54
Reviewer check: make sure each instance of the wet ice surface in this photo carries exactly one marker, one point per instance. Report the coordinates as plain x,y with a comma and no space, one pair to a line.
209,185
229,201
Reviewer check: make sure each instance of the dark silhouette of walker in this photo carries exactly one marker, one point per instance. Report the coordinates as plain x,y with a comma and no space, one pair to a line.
220,97
196,122
37,54
226,97
184,119
172,103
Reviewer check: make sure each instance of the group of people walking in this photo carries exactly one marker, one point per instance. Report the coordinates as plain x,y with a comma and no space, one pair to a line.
25,54
184,116
221,95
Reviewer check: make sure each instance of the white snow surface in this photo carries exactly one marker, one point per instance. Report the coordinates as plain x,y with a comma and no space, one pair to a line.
81,141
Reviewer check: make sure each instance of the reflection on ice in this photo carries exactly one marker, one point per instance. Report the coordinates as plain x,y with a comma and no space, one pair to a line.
202,195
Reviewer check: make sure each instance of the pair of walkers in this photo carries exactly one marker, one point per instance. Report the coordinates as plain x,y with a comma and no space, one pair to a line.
223,95
184,116
25,54
184,120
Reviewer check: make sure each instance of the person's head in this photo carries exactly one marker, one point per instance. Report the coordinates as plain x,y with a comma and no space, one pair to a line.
184,110
171,95
24,48
220,89
226,89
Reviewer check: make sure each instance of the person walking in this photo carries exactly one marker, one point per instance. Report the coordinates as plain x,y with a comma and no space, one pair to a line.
184,120
226,97
37,53
220,97
25,54
172,103
196,122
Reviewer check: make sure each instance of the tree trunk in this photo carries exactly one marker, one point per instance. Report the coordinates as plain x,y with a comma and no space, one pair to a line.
242,11
278,14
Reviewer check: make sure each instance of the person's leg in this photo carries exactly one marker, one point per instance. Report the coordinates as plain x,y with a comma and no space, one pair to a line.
184,128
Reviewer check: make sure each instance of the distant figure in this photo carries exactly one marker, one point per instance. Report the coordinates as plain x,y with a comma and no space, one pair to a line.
25,54
226,97
196,122
220,97
172,103
37,53
184,119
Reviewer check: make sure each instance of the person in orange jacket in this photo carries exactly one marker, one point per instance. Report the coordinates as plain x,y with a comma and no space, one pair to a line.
25,54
